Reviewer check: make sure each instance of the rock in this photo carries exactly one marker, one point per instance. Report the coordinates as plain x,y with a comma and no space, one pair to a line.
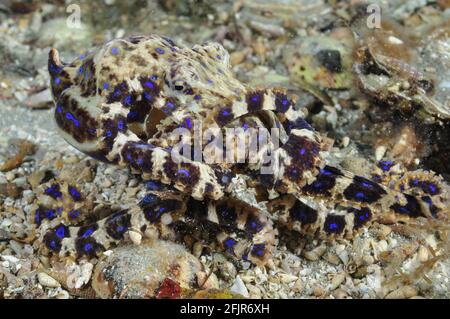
238,287
135,237
287,278
403,293
316,253
133,271
79,275
207,281
47,281
337,280
298,286
40,100
340,294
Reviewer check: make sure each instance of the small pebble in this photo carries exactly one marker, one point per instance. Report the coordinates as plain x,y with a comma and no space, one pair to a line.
47,281
403,293
238,287
135,237
337,280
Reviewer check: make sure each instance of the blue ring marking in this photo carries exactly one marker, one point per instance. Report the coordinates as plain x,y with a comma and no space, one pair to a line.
230,243
188,123
120,125
87,247
70,117
258,250
150,84
87,233
74,193
385,165
360,195
149,199
60,232
128,100
120,229
183,171
52,244
148,96
333,226
50,214
153,185
74,213
53,191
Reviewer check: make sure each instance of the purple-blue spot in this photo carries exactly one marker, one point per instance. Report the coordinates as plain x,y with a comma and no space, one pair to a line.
87,247
229,244
87,233
147,96
60,232
53,191
184,172
258,250
188,123
114,50
153,185
360,195
57,80
74,213
52,245
149,199
71,118
127,100
366,184
120,229
333,226
150,84
132,115
120,125
74,193
385,165
105,86
50,214
160,51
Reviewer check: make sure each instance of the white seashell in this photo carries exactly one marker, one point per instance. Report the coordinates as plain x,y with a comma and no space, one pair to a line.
47,281
239,287
135,237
